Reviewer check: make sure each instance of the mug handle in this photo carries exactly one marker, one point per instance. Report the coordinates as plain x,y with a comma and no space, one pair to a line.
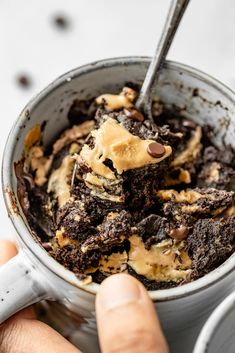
20,285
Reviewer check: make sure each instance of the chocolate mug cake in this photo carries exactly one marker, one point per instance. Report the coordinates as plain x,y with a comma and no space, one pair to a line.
116,192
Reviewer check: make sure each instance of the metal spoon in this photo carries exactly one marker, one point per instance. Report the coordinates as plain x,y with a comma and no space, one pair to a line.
175,14
144,101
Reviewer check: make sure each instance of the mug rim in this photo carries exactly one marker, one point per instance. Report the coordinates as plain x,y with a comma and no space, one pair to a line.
212,324
18,218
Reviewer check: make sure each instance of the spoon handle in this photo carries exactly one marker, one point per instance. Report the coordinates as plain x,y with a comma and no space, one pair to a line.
174,16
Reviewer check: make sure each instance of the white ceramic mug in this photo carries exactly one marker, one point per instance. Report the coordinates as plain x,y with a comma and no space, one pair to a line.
218,334
33,275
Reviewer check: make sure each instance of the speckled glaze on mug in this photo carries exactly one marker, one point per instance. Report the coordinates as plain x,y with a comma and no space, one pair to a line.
34,276
218,334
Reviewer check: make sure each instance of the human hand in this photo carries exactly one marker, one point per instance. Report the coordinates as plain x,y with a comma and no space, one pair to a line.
126,321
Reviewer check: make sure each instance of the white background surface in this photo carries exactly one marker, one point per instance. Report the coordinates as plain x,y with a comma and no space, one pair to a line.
30,43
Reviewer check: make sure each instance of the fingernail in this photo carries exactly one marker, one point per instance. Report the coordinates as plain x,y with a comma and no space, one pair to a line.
118,290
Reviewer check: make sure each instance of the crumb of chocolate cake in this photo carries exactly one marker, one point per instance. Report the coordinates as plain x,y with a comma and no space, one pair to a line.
113,230
217,175
72,258
81,110
78,224
153,229
210,243
149,284
188,205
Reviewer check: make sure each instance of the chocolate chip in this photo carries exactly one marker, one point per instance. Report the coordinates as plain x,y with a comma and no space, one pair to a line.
134,114
179,233
24,81
61,22
156,150
28,178
189,123
47,246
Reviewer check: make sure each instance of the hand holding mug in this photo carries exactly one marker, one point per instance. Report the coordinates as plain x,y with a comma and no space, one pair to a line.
126,319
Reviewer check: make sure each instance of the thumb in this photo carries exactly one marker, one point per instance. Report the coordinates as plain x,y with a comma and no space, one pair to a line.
126,318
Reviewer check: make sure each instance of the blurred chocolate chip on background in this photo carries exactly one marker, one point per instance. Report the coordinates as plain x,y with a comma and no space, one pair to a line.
134,114
61,21
24,80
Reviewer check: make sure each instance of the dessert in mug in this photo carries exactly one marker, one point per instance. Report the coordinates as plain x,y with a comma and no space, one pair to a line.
116,192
